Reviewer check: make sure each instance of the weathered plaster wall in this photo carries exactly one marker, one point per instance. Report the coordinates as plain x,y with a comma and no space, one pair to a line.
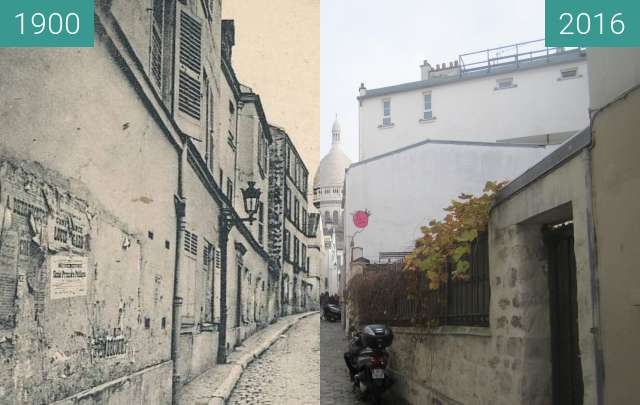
99,134
616,192
508,363
106,319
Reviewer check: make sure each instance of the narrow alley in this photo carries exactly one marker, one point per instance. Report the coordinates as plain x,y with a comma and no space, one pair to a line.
287,373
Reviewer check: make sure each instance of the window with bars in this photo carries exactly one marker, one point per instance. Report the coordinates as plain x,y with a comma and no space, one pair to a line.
157,27
190,58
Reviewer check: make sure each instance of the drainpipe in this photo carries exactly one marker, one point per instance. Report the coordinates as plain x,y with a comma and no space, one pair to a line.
226,224
595,282
176,324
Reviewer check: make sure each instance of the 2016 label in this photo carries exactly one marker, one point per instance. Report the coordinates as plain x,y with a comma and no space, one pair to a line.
582,24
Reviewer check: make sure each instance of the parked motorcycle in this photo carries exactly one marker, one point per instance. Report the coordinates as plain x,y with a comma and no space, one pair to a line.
331,313
367,360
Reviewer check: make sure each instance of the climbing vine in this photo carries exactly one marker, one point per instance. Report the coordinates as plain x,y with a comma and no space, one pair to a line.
449,241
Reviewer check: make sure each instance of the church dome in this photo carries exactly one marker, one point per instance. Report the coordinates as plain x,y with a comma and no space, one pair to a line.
331,170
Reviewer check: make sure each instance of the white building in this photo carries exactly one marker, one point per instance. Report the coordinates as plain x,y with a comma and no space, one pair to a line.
405,189
519,91
328,187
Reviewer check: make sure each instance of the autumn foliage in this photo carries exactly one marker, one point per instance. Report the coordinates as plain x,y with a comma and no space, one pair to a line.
449,241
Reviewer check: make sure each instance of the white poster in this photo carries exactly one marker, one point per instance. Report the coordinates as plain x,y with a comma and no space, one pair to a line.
68,276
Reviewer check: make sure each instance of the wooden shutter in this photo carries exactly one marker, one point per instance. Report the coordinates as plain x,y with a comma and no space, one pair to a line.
190,65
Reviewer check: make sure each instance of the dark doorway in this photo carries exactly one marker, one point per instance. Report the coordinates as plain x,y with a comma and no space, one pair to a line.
565,352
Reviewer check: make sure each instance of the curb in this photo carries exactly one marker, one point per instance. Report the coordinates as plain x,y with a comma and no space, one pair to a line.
223,392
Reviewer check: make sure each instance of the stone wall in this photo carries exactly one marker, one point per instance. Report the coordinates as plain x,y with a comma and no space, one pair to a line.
508,363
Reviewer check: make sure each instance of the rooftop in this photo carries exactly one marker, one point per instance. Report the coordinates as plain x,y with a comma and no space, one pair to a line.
488,62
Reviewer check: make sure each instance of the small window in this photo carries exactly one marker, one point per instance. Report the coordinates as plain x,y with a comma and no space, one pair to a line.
570,73
505,83
232,108
386,113
428,112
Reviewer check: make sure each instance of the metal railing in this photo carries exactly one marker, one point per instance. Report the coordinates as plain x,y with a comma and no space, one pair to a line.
404,298
519,54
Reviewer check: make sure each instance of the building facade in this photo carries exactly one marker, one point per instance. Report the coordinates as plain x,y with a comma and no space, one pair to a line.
290,231
407,188
328,189
129,262
519,93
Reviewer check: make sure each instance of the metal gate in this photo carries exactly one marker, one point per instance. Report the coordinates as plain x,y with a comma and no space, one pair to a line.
565,353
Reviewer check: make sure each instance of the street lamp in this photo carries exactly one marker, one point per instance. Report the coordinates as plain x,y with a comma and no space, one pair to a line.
251,197
227,219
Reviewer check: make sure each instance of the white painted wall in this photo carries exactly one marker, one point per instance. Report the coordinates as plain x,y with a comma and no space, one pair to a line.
612,72
473,110
329,278
405,190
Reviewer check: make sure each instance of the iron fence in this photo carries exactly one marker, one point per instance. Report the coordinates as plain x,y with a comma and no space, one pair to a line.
403,298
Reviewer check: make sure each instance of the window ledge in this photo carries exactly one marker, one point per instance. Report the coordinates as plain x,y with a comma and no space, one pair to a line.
382,126
505,88
562,79
424,121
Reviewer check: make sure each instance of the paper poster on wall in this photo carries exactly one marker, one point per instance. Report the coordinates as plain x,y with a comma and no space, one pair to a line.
68,276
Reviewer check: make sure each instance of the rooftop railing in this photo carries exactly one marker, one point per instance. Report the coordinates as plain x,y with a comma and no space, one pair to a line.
520,54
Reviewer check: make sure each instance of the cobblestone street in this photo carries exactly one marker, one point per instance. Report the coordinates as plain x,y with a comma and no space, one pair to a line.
288,373
294,372
335,387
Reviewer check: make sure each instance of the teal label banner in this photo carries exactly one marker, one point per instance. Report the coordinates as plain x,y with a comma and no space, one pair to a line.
46,23
592,23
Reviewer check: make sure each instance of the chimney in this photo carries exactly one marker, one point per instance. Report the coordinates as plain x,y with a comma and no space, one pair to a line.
362,90
228,38
425,70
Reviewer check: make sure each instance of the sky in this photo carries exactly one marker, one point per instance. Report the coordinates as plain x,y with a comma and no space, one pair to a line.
277,54
383,43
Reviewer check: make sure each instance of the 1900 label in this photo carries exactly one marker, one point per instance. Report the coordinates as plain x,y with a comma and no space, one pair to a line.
46,23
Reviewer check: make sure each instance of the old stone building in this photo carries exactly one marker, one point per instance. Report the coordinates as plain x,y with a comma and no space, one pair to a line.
134,240
290,232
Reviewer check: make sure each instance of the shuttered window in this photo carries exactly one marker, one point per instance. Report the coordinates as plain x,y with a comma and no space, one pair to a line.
190,56
157,18
191,242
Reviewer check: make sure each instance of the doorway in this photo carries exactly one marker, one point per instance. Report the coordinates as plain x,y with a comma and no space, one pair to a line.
567,385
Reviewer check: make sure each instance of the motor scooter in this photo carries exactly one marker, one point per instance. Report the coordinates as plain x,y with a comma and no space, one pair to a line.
331,313
367,360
